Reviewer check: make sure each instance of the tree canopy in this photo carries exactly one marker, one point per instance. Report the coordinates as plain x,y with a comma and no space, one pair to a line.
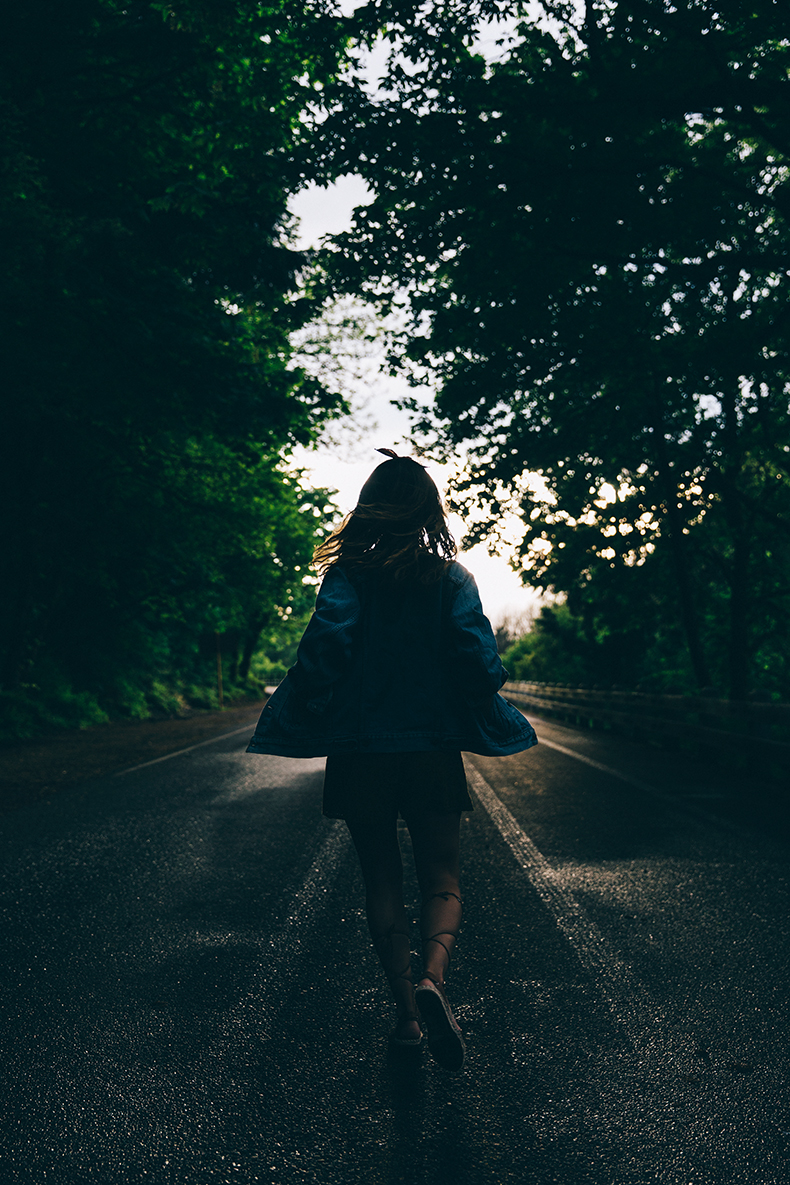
588,237
150,290
592,238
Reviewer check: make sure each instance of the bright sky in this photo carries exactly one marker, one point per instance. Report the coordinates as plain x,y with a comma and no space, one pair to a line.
345,464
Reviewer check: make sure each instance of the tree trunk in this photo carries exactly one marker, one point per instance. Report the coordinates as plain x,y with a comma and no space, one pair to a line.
18,633
250,642
733,505
680,562
739,656
688,608
739,619
233,669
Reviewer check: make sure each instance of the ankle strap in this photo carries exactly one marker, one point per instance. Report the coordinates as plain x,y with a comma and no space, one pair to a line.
436,982
444,897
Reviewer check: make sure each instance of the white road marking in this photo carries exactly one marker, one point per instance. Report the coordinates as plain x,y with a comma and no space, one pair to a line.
285,947
642,1019
606,769
249,728
681,803
264,773
310,897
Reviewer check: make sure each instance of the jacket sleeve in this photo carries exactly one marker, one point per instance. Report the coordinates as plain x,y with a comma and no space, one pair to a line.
324,652
474,651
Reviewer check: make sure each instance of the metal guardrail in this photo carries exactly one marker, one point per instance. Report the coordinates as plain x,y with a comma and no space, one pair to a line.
746,734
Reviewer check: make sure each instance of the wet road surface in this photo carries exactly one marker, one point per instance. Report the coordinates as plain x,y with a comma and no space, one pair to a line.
190,997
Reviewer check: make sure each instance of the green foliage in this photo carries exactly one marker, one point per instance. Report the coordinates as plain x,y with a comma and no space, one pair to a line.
553,651
149,295
594,236
33,709
277,649
215,542
613,632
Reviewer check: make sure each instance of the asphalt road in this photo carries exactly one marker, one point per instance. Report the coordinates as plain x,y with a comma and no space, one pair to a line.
190,997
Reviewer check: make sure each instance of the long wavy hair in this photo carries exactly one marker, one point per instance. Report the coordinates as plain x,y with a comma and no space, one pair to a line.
397,529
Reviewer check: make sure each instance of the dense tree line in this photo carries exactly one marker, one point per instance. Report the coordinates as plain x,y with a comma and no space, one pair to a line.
590,240
149,293
593,237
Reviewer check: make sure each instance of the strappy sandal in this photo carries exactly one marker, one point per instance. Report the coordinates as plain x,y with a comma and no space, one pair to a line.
444,1036
406,1042
394,1039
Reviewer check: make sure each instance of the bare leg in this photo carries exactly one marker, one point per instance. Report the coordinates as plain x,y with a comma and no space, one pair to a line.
435,839
379,854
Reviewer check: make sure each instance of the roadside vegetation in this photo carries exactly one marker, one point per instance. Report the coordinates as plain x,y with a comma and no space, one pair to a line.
585,235
150,394
592,233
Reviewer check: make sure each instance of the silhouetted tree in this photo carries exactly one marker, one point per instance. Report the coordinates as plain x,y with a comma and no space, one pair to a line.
149,290
593,238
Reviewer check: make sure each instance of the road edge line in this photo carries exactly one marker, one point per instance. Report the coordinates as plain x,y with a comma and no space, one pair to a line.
250,728
679,804
284,949
641,1018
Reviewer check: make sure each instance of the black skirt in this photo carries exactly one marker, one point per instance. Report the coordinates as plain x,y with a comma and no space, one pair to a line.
382,785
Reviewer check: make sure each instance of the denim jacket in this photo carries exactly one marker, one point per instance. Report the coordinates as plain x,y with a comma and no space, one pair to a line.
389,667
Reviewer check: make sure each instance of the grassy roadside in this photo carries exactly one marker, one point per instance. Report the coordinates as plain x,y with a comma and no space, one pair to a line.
33,770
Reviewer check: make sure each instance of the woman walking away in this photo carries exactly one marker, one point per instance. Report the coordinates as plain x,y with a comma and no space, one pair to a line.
396,674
